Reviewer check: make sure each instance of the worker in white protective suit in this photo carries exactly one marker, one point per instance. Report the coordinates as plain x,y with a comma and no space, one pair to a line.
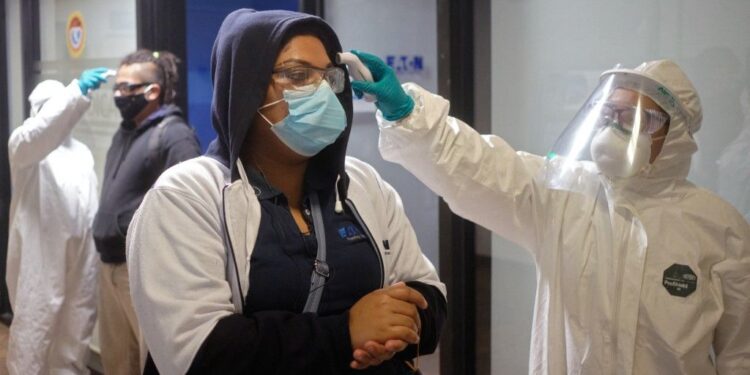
638,270
51,268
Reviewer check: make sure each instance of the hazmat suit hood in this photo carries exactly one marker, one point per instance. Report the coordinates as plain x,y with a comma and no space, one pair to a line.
242,61
43,92
678,97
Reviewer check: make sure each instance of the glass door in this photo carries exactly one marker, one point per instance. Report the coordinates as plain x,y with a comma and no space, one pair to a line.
75,35
413,25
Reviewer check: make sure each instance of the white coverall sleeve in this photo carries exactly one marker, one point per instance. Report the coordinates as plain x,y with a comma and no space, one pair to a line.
177,272
39,135
732,336
410,262
481,177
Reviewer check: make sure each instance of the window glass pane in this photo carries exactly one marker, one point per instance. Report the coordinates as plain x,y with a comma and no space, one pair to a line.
373,26
107,34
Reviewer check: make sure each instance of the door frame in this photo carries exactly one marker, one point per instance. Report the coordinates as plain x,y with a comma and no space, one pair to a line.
459,239
161,25
5,310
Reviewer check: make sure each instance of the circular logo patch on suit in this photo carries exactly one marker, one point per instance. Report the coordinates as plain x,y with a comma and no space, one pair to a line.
680,280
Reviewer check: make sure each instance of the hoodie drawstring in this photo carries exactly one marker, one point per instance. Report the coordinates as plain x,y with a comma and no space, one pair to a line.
339,206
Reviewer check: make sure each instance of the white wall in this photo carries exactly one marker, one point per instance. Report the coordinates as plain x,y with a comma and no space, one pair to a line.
546,58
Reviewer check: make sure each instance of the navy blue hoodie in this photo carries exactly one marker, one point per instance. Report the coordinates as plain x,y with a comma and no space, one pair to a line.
282,342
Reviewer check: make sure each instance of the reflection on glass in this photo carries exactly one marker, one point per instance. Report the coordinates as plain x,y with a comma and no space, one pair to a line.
734,164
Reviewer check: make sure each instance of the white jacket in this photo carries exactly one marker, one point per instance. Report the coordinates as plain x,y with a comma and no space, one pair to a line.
601,303
51,270
190,243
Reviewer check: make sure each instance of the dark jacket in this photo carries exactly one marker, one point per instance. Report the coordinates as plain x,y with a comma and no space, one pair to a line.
132,167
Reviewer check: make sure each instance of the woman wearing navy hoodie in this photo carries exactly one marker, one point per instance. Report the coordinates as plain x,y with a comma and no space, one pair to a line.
275,253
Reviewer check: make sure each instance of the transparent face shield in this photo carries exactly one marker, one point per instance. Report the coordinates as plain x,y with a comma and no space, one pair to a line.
610,135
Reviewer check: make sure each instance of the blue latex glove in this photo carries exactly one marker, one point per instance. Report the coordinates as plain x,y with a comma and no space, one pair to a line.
391,99
91,79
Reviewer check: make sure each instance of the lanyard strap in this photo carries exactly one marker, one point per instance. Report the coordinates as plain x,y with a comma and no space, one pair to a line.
320,271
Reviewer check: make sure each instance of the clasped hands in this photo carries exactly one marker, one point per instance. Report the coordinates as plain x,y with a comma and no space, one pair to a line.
383,323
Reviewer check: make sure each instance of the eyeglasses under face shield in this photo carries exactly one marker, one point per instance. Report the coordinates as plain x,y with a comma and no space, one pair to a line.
629,118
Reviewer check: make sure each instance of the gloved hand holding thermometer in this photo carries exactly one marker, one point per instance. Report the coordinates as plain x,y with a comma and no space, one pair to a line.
91,79
357,70
390,98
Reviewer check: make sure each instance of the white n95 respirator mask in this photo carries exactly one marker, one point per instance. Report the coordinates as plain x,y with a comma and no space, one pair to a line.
619,155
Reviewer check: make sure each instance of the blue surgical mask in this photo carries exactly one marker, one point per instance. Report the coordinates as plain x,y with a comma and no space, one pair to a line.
316,119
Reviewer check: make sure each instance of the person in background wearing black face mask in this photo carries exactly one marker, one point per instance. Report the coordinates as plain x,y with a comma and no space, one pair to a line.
152,137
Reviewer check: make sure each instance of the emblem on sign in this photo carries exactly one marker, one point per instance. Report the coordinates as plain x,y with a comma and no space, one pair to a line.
75,34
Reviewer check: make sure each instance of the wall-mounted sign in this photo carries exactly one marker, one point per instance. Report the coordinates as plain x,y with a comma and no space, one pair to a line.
75,34
405,63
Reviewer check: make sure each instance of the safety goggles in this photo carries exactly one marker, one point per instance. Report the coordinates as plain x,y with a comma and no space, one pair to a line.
307,78
126,88
630,118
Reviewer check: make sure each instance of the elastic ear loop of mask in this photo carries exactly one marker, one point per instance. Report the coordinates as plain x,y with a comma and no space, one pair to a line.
271,104
147,88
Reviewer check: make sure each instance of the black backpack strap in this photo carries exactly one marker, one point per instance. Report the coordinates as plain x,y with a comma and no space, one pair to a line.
154,141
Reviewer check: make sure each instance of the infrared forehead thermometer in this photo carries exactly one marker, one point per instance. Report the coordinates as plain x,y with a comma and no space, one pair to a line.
357,69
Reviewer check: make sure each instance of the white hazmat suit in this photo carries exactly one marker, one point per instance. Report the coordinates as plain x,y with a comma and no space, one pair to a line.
646,277
51,269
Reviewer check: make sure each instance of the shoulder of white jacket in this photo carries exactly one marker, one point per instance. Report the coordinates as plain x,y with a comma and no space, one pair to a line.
360,171
198,176
353,163
365,183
